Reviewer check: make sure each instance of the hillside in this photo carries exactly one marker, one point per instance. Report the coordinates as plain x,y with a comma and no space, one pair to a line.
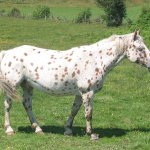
86,3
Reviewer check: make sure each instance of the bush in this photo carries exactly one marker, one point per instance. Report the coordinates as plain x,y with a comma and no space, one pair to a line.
143,21
129,21
15,13
84,16
144,18
2,12
115,11
41,12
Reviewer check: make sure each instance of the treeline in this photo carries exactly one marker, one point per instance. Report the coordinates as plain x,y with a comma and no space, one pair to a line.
114,13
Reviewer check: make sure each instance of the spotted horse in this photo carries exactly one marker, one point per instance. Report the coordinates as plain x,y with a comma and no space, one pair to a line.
79,71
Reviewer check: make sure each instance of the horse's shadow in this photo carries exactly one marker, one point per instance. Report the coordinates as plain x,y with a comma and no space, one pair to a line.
80,131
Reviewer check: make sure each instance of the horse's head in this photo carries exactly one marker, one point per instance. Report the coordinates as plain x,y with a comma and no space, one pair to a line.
137,50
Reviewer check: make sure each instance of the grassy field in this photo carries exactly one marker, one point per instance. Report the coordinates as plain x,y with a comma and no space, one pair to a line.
121,110
68,10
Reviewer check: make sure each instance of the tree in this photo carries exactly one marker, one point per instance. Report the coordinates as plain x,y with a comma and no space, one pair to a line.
84,16
115,11
41,12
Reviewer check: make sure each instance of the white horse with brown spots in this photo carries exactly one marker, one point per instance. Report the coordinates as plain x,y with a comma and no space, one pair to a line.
79,71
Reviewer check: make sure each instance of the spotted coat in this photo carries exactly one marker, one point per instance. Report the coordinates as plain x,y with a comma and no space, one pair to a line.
79,71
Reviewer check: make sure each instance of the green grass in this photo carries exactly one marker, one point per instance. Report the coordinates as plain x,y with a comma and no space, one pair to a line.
68,10
121,108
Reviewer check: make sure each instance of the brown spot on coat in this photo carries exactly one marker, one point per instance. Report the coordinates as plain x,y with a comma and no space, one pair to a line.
37,76
73,74
9,64
69,60
25,54
96,70
56,83
31,64
56,77
36,69
63,75
78,71
65,69
71,54
66,83
21,60
87,62
89,81
90,84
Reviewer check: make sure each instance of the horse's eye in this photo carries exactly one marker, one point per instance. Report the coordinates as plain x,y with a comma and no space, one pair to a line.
141,48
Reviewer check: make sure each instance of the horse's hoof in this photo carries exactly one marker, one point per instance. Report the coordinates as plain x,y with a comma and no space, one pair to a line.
68,132
10,133
94,136
40,132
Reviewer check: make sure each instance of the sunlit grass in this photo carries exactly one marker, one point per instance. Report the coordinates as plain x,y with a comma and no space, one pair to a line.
121,109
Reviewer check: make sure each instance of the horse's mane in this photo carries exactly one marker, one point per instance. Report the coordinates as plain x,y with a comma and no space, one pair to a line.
120,41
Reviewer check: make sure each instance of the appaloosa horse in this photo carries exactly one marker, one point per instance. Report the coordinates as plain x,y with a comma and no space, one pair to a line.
79,71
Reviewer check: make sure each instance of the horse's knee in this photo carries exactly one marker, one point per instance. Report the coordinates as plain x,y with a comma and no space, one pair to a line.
88,116
7,104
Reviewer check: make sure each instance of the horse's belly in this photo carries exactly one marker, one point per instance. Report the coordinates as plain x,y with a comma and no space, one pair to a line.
51,87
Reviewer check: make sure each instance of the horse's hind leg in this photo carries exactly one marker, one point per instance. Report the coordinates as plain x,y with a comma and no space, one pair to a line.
7,105
75,108
27,103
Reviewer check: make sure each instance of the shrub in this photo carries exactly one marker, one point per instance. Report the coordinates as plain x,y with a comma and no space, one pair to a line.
2,12
144,18
41,12
129,21
84,16
143,21
115,11
15,13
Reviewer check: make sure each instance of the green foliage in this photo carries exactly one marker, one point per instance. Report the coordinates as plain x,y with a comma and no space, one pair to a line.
2,12
41,12
144,18
15,12
115,11
84,16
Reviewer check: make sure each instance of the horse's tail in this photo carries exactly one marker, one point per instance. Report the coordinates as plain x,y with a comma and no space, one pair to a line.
4,85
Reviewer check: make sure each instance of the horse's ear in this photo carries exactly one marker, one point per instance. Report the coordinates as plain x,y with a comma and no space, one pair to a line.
136,33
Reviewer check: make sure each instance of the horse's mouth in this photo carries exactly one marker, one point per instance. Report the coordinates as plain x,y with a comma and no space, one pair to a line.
142,64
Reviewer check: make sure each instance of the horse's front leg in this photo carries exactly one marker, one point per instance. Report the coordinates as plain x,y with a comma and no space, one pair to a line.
27,103
88,104
7,105
75,108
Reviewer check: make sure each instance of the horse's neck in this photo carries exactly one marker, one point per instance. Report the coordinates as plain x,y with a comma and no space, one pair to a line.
110,56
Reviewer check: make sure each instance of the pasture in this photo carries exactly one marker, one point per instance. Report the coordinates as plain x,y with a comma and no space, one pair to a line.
121,109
